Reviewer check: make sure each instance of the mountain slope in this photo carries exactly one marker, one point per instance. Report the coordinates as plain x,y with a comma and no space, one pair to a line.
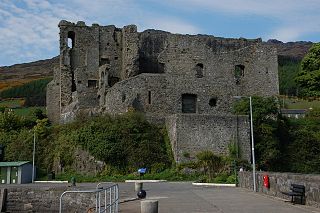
21,73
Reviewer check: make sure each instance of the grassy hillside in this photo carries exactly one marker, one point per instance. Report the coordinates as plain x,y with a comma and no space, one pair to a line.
19,74
34,92
297,103
288,70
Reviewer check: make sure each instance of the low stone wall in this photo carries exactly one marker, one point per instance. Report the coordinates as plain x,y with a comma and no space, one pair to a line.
280,182
46,200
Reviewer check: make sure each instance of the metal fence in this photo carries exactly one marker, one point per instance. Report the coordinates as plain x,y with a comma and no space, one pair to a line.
106,198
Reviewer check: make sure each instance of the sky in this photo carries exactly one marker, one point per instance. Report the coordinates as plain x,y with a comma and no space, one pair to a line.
29,28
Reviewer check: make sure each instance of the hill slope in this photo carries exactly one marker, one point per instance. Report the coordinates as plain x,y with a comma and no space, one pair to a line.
296,50
19,74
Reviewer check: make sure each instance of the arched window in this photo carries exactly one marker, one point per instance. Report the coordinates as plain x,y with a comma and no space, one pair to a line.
71,39
199,70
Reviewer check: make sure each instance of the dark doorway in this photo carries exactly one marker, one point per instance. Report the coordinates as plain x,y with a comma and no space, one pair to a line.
189,103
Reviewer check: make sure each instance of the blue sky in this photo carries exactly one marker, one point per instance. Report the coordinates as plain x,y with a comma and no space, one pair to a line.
29,32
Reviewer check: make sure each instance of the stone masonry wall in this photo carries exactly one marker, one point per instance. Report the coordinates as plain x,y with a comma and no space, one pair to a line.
53,98
46,199
101,56
194,133
280,182
145,93
110,70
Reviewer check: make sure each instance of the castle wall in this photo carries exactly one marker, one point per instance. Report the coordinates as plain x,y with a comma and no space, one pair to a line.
103,56
179,55
53,97
79,63
145,93
191,133
130,57
104,69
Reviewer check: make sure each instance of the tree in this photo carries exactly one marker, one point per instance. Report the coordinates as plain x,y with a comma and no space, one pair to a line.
263,108
309,77
212,164
288,70
266,121
10,121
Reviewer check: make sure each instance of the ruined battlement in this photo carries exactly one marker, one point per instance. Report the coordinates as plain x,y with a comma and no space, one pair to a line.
105,69
94,58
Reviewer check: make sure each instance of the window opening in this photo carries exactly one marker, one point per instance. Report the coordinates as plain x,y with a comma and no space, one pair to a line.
213,102
199,70
113,80
102,78
71,39
149,97
189,103
238,73
92,83
104,61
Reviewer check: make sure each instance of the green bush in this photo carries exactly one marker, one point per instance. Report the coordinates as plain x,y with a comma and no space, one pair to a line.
126,142
231,179
158,167
221,178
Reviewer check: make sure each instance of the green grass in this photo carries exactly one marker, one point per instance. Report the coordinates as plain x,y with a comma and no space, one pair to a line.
28,110
293,103
14,103
16,106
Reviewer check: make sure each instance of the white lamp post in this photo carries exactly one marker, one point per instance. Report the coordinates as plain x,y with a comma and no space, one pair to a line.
252,142
33,155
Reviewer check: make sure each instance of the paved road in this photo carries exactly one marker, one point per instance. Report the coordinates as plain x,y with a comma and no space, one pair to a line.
186,198
183,197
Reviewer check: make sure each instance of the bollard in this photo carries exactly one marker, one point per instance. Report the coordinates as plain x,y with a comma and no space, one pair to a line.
149,206
138,186
142,194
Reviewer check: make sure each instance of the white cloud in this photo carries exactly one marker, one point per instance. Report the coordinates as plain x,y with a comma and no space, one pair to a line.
31,25
29,29
123,12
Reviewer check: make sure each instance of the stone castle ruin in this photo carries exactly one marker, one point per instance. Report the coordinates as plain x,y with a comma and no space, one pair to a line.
187,82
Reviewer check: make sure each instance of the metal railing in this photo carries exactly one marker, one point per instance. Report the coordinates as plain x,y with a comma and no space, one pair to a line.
111,198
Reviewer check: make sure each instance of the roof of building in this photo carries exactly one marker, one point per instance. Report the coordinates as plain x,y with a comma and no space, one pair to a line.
293,111
13,163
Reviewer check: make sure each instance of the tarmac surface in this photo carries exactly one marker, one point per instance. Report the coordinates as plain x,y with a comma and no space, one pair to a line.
183,197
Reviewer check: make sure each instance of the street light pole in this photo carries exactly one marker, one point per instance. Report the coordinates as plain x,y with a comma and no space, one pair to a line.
33,154
252,142
252,148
